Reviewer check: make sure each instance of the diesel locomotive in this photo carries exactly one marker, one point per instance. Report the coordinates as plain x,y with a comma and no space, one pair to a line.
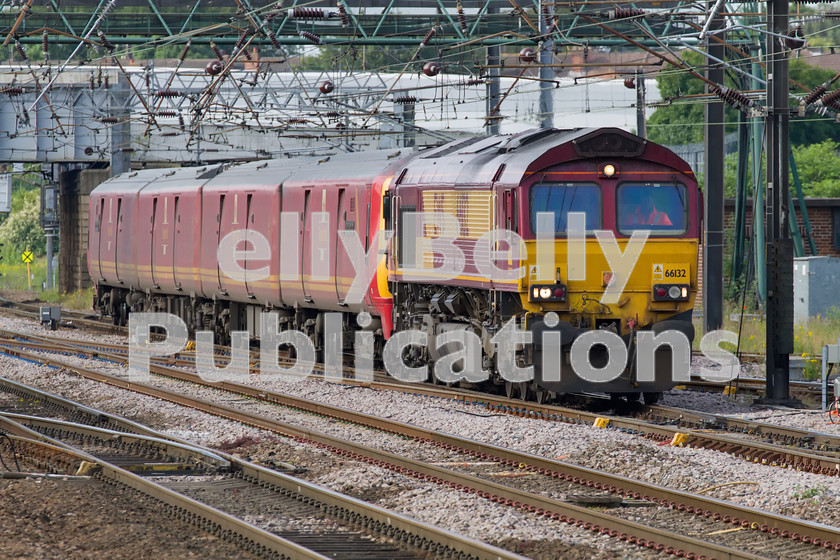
535,223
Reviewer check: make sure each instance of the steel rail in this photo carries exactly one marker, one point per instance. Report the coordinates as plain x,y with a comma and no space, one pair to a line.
750,450
189,453
205,517
345,507
732,513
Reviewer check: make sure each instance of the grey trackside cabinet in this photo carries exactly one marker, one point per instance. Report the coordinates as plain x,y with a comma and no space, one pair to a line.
816,286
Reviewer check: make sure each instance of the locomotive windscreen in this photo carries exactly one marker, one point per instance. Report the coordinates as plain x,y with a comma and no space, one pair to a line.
562,198
660,208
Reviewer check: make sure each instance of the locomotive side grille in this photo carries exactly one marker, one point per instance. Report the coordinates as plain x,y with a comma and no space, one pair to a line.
471,208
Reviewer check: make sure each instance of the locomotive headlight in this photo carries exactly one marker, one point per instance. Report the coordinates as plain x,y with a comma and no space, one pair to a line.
674,292
548,293
609,170
685,292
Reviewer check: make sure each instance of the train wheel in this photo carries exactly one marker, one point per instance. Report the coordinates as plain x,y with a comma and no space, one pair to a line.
511,389
651,398
538,394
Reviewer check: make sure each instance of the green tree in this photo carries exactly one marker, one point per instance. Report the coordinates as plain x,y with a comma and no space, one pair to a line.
819,169
22,229
682,122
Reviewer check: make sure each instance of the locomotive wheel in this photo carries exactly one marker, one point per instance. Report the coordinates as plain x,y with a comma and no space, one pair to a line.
537,393
516,390
511,389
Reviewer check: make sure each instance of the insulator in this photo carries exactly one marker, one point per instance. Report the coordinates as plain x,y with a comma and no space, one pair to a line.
107,9
796,39
527,55
624,13
732,97
333,114
405,100
815,94
475,81
213,67
105,82
167,113
429,34
109,120
831,15
462,19
45,45
167,93
240,41
829,99
216,50
431,69
311,37
12,91
181,121
185,51
630,83
307,13
170,133
105,42
342,13
273,38
21,52
92,82
298,121
326,87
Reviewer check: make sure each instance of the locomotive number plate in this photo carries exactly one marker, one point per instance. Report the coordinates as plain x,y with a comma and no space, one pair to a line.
677,273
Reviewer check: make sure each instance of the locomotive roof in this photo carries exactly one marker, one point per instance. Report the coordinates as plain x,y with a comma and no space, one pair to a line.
479,160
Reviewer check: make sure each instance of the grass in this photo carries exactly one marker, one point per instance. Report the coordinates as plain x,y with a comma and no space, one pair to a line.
801,493
13,278
808,337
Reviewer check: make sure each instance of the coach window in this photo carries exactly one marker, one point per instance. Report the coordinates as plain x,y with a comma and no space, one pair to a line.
658,207
562,198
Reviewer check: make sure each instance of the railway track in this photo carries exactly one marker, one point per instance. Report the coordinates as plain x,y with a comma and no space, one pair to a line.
748,439
335,526
56,455
686,504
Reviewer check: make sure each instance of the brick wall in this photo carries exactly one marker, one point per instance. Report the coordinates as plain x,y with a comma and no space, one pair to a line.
74,196
821,214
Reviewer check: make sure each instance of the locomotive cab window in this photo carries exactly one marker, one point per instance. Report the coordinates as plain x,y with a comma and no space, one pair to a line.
659,207
562,198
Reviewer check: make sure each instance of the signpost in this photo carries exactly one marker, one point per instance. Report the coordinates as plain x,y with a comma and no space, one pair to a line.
27,258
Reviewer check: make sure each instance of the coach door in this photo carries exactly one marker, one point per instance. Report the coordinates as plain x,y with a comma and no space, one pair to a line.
100,236
306,246
162,242
118,229
233,217
249,223
176,225
346,218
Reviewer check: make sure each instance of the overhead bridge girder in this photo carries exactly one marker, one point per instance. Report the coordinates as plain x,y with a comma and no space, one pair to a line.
405,22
